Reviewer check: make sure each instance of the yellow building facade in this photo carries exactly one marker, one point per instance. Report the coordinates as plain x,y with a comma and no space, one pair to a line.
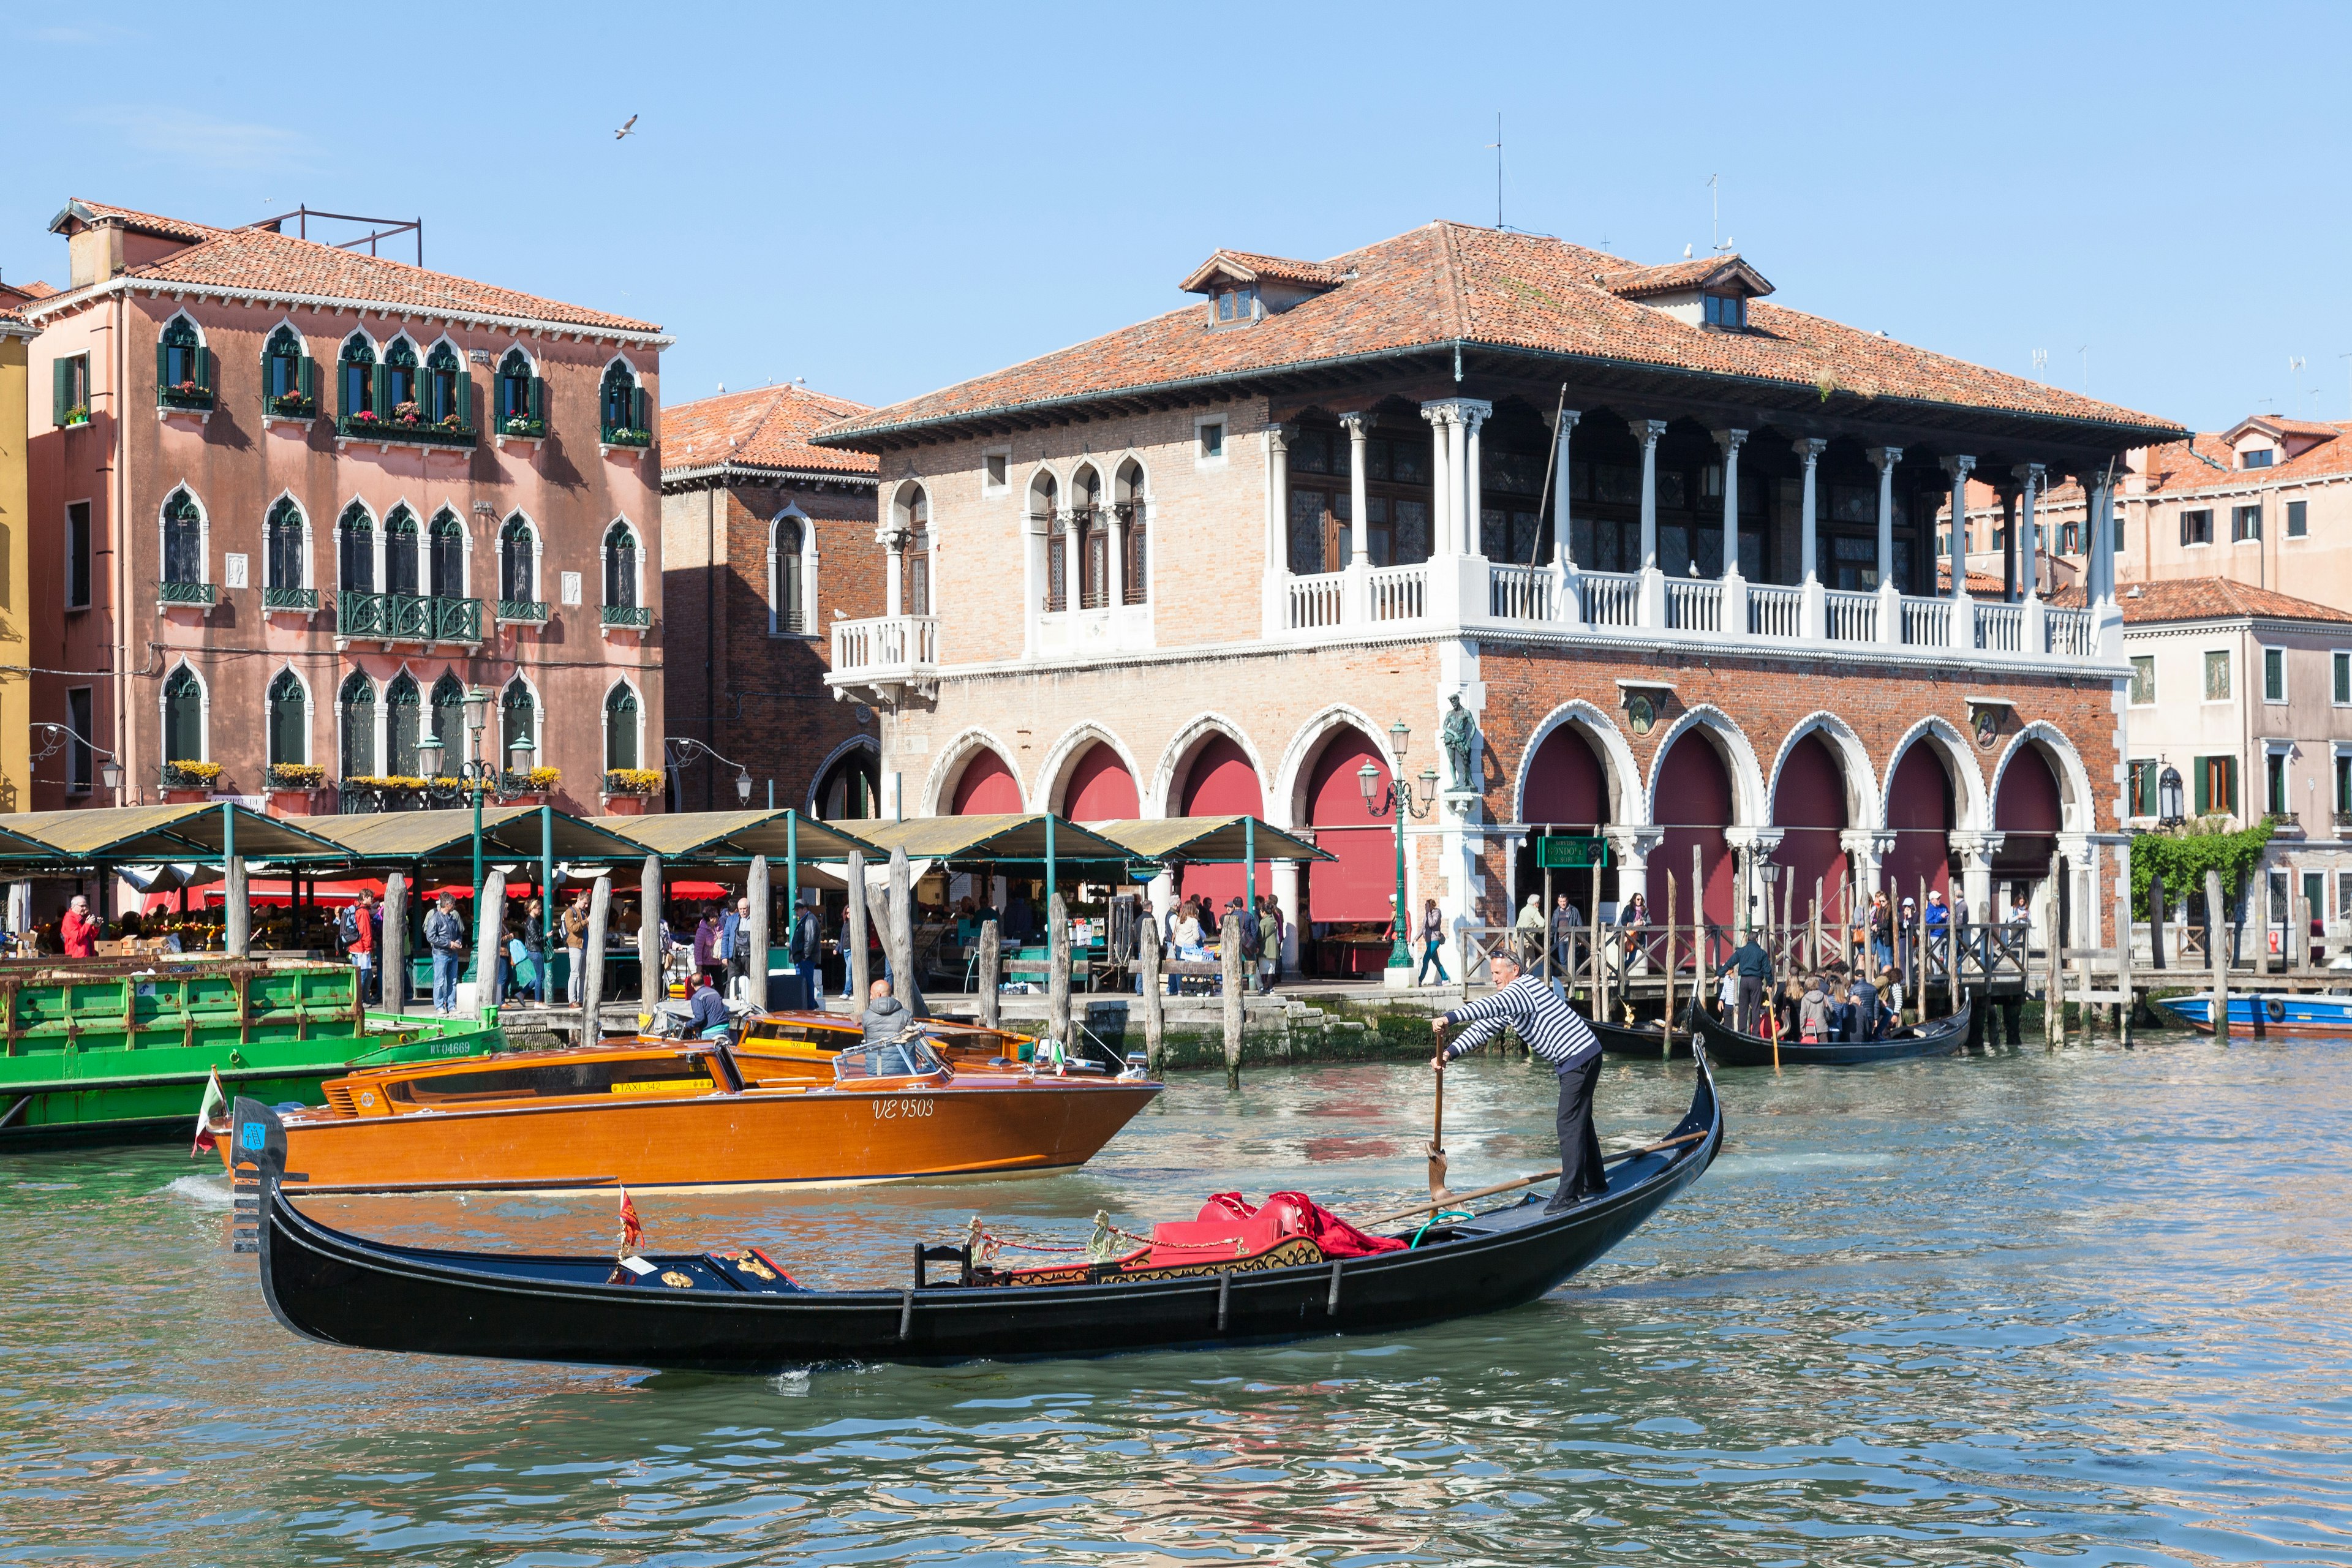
15,610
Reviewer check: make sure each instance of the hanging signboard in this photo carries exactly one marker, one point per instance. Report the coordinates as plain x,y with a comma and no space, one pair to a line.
1565,852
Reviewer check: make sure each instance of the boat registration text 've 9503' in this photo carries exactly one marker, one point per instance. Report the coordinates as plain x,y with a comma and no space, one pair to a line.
912,1105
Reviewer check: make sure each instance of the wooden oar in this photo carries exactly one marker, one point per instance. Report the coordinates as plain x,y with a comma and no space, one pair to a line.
1529,1180
1437,1193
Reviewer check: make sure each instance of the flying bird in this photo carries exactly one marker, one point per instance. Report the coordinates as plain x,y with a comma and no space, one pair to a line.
626,129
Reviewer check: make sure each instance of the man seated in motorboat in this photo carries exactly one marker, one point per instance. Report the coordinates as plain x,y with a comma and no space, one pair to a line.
709,1009
886,1017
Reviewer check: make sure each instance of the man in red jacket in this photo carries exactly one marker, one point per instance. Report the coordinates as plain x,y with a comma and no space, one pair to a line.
79,929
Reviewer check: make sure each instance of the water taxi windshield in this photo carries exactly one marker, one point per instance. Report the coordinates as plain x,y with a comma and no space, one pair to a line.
912,1056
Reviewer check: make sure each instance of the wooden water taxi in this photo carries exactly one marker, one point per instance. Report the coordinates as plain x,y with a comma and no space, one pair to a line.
797,1099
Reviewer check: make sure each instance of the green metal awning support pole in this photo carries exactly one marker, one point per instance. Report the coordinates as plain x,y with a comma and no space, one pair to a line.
1249,858
791,875
1051,883
478,859
546,886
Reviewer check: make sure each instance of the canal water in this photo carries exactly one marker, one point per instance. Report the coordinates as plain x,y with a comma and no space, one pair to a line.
2080,1308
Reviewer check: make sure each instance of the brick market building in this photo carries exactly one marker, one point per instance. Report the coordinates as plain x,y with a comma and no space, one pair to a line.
1672,544
764,539
290,502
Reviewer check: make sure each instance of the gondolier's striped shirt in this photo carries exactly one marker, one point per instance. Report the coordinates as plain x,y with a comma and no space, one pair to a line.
1543,1020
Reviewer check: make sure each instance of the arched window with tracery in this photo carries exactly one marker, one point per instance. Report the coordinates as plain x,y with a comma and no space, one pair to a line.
620,567
355,547
184,373
288,379
355,713
184,717
518,564
447,542
282,550
290,719
183,540
399,382
620,728
522,397
623,404
1135,577
400,551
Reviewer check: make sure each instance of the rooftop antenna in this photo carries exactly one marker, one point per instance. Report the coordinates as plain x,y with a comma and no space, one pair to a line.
2085,352
1497,145
2041,365
2294,363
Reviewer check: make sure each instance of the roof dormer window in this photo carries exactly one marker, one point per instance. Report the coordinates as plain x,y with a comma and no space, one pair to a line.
2257,458
1726,311
1238,303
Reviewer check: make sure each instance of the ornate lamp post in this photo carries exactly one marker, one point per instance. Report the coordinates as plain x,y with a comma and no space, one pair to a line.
478,775
1396,795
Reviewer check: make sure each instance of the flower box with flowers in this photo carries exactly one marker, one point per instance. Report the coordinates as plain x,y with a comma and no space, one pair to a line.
296,775
185,394
407,425
77,414
519,428
639,782
293,405
627,435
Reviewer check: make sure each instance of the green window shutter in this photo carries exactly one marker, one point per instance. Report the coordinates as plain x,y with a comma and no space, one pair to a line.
61,373
538,398
307,380
2203,769
638,417
465,400
2230,785
163,364
382,391
208,367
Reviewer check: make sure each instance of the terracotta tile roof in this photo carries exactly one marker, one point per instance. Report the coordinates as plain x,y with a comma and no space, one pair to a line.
131,217
2205,462
1280,268
260,260
35,289
2217,598
2318,427
1981,585
1447,282
766,428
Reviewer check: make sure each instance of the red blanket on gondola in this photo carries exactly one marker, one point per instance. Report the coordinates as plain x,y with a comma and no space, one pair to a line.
1229,1226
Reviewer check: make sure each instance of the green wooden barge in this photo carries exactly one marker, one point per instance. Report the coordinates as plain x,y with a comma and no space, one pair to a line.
102,1048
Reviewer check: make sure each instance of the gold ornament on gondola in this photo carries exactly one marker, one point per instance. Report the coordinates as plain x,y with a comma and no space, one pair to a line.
677,1281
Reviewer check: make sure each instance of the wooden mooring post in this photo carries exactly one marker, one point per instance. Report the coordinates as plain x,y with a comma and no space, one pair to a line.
989,974
1155,1004
1229,961
2217,953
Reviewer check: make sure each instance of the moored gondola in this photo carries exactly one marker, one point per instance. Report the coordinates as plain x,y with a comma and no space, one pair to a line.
1646,1039
1933,1038
742,1312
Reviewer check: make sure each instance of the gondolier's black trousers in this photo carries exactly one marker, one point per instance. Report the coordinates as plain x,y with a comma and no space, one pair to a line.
1579,1146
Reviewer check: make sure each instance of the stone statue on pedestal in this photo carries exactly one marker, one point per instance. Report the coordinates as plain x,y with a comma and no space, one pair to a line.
1459,734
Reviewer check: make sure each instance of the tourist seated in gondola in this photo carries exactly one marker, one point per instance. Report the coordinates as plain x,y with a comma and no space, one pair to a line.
1813,1012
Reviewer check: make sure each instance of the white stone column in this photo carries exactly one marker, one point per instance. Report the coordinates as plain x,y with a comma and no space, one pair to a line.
1976,850
1277,529
1563,547
1360,532
2029,549
1073,558
893,546
1812,606
1653,590
2100,499
1867,852
1474,476
1958,467
1459,483
1632,848
1731,441
1890,592
1286,894
1115,577
1441,482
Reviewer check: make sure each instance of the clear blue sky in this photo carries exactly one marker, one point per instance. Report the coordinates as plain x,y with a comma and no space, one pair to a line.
884,200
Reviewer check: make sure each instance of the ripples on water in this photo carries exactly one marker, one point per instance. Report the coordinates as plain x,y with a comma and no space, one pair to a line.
2086,1308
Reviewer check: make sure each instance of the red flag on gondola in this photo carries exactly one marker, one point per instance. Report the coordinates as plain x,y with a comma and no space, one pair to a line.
633,1234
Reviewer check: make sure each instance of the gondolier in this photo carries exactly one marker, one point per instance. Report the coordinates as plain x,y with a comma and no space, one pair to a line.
1562,1041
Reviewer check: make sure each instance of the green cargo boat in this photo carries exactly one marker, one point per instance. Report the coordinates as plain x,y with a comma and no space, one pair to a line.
101,1048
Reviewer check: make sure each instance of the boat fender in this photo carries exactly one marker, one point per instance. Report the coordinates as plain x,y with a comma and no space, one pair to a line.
906,1315
1331,1306
1224,1295
2276,1008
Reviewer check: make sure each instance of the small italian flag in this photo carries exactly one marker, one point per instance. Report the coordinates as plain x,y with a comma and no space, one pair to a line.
213,1101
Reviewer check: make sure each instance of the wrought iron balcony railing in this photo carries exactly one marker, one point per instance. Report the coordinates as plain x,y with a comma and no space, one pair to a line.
637,615
184,593
362,427
532,611
289,598
407,617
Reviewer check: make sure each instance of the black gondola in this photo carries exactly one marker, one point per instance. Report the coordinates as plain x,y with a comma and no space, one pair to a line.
693,1312
1646,1039
1933,1038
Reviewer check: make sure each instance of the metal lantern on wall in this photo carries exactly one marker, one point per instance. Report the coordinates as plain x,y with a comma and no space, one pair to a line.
2169,810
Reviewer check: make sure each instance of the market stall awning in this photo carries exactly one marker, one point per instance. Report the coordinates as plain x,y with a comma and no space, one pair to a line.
508,833
701,836
1206,840
1015,836
150,834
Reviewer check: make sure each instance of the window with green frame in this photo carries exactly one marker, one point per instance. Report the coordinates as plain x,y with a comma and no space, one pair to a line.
2143,679
355,370
2344,785
2217,785
356,711
448,391
449,720
404,725
184,366
2217,674
2341,664
184,717
620,728
400,551
2273,675
521,397
2144,772
290,719
69,390
2275,783
623,402
282,550
288,377
396,382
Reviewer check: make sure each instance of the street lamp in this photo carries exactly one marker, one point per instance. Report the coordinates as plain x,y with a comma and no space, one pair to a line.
2167,797
743,787
109,773
680,750
1396,795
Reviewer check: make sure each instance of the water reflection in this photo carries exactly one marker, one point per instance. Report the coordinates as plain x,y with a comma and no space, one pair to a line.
2029,1308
